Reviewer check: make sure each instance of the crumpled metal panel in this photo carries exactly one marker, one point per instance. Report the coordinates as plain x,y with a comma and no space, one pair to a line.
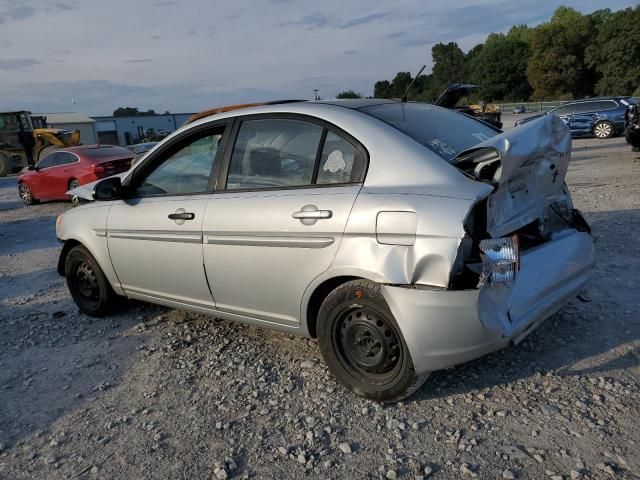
427,261
535,159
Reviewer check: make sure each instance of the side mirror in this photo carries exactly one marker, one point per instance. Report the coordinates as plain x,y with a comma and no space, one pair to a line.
32,168
108,189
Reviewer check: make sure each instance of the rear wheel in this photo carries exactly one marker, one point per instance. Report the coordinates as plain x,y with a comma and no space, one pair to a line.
603,129
25,194
74,184
87,283
362,345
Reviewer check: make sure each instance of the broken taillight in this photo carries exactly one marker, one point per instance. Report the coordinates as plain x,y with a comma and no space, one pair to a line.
500,258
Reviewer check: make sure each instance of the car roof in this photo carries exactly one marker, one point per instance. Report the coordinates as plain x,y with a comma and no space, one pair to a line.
356,103
592,99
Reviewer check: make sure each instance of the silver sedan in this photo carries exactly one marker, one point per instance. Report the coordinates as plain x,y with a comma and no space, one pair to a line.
406,237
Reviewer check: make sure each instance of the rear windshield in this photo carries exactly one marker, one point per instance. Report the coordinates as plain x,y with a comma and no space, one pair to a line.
444,132
103,152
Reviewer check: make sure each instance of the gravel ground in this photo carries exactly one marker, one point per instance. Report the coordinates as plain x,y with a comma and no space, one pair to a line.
157,393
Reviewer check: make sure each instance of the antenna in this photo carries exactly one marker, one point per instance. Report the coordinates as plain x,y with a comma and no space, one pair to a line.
406,92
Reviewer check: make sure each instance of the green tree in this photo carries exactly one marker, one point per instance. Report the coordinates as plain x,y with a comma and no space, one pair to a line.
349,94
615,53
382,89
132,112
557,67
448,66
499,68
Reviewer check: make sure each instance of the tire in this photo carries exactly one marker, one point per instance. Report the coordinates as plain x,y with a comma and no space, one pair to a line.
603,129
362,345
87,284
26,195
74,199
4,165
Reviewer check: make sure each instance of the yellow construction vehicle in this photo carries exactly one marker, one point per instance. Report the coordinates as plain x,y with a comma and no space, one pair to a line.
16,128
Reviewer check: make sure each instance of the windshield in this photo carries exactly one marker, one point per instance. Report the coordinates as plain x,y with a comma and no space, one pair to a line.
444,132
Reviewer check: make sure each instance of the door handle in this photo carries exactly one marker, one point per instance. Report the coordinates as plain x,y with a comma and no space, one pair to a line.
182,216
315,214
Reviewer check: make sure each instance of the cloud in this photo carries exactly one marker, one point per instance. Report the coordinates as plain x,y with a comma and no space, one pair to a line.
139,60
63,6
16,13
350,52
320,20
21,64
374,17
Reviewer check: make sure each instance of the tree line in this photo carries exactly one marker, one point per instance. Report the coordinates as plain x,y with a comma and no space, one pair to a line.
570,56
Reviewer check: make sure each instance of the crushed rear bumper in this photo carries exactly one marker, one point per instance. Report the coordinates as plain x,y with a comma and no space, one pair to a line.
443,328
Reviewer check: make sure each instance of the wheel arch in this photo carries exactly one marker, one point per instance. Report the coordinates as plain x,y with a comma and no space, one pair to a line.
66,248
321,288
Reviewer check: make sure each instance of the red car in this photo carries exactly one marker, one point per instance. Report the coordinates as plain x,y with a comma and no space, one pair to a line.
69,168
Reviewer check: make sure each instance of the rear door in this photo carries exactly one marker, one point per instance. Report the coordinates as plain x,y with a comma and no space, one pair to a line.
289,185
155,237
584,118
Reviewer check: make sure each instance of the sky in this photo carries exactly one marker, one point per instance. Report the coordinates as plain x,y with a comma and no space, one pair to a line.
93,56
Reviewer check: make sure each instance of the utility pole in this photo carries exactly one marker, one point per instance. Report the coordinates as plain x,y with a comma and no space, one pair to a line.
315,94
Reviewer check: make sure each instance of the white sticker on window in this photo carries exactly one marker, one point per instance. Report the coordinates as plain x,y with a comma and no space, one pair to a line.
334,162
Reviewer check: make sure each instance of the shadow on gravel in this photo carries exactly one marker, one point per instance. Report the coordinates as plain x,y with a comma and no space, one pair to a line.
590,338
595,147
58,362
21,236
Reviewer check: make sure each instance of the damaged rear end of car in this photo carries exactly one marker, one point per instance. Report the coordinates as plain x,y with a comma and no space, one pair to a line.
523,251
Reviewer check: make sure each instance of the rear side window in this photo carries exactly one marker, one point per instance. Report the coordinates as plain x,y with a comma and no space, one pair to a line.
607,105
274,153
444,132
103,152
64,158
339,160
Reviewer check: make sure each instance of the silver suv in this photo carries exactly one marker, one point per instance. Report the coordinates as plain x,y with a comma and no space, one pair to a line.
406,237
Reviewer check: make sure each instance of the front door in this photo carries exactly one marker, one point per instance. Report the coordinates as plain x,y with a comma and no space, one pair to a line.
155,237
290,187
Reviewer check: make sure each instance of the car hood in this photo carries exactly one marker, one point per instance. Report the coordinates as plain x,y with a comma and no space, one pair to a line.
85,191
450,96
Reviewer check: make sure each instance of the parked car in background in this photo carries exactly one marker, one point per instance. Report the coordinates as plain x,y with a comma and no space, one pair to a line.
140,149
632,126
389,230
595,117
69,168
519,109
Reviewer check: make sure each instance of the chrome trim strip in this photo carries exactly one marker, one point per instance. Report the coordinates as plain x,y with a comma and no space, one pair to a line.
100,232
253,240
157,236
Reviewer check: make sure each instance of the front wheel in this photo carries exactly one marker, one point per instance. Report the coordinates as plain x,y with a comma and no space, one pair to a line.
603,129
87,284
26,195
362,344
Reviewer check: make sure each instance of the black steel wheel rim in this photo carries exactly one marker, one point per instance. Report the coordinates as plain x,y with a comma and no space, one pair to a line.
367,344
87,283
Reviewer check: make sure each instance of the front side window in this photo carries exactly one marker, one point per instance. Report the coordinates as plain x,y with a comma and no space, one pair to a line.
185,170
48,161
564,110
587,107
274,153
